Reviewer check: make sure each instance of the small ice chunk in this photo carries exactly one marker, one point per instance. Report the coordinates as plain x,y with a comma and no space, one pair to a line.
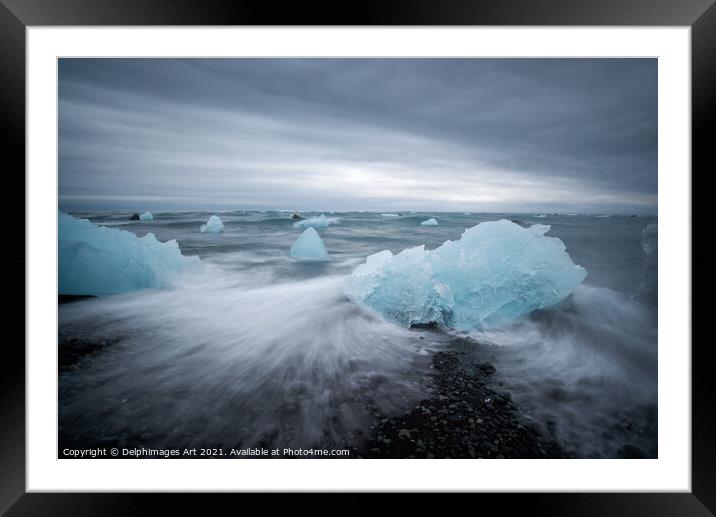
390,215
429,222
96,260
496,272
146,216
315,222
309,246
213,225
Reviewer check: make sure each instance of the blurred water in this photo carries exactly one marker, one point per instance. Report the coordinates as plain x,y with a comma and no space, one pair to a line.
261,348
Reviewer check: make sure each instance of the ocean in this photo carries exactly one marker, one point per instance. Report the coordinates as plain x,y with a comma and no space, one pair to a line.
260,349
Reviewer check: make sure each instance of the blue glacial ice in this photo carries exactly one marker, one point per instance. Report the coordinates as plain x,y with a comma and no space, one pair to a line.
97,260
497,271
315,222
429,222
146,216
309,246
213,225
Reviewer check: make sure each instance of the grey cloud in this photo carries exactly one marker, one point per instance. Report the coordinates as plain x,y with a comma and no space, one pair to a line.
558,134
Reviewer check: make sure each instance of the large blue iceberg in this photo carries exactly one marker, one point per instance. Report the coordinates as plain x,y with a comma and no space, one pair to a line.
213,225
97,260
309,246
315,222
496,272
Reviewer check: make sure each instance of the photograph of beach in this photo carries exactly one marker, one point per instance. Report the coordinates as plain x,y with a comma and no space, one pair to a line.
357,258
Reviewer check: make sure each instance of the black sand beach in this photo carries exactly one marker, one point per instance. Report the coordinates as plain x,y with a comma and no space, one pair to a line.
467,414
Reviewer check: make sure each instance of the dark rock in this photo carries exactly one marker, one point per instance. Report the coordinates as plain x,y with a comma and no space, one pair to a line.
69,298
459,389
295,216
433,325
134,217
72,351
489,446
505,396
631,451
487,368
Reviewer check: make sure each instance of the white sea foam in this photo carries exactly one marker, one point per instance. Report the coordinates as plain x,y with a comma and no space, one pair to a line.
316,222
579,368
292,360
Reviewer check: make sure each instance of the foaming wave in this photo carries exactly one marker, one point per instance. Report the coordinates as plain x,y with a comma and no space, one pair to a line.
586,370
210,362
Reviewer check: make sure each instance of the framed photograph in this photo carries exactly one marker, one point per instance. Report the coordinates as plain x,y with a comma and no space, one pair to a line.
436,251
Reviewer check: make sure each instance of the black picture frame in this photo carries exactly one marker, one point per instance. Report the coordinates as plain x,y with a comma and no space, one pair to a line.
16,15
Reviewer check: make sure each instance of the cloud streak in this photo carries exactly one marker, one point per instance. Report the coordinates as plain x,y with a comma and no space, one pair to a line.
370,134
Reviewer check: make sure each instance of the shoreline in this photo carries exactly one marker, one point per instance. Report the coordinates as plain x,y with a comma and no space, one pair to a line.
465,416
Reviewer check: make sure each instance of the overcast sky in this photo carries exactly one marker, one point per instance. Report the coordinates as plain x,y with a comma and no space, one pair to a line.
560,135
